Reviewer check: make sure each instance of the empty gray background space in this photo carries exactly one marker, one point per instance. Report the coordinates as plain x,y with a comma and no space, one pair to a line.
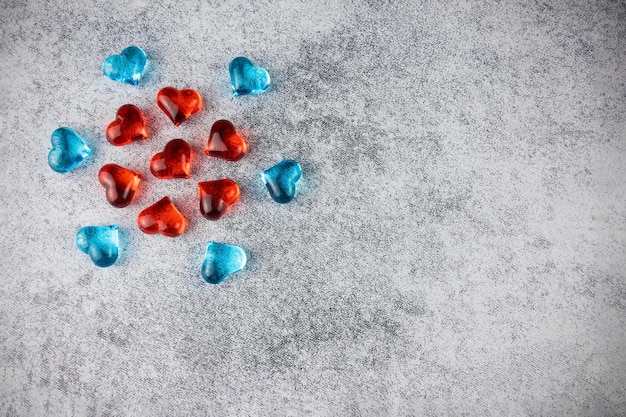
457,245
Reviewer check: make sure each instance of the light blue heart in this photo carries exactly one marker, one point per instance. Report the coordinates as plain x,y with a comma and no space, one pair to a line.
247,78
221,260
126,67
280,180
101,243
68,150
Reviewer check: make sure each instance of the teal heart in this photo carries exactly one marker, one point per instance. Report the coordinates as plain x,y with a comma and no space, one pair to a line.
247,78
126,67
101,243
68,150
280,180
221,260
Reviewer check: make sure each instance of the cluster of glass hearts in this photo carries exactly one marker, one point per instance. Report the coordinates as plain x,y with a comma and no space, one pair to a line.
215,197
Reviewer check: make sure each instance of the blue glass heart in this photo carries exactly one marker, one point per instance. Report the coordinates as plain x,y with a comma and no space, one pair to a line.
101,243
126,67
68,150
281,180
247,78
221,260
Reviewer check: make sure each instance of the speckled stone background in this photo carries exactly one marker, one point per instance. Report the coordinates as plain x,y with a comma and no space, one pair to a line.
457,247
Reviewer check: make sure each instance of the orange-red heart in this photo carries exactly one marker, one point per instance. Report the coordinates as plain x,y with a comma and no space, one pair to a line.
179,105
216,197
173,162
120,184
224,142
162,217
129,126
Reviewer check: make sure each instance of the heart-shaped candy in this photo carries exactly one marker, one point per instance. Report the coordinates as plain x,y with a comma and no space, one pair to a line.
173,162
179,105
216,197
101,243
129,126
162,217
221,260
224,142
120,184
281,180
247,78
126,67
68,150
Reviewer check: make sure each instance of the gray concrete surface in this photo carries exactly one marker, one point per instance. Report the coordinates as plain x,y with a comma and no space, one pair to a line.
457,247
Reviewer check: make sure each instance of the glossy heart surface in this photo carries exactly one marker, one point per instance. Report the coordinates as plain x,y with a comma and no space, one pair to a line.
120,184
280,180
224,142
221,260
162,217
246,78
101,243
126,67
68,150
173,162
216,197
179,105
129,126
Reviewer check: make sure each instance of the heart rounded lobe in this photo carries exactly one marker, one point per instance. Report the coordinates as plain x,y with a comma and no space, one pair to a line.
120,184
216,197
222,260
129,126
224,142
173,162
127,67
280,180
179,105
68,150
101,243
162,217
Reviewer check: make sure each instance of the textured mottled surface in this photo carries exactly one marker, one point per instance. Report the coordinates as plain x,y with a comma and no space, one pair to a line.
457,245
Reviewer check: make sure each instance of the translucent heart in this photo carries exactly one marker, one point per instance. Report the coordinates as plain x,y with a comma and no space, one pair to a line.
101,243
120,184
173,162
221,260
224,142
179,105
216,197
68,150
280,180
246,78
129,126
162,217
126,67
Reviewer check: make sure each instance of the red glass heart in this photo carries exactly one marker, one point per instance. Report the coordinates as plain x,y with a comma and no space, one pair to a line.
129,126
179,105
224,142
173,162
120,184
162,217
216,197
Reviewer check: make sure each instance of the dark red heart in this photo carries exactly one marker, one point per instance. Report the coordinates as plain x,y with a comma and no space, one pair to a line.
162,217
216,197
179,105
120,184
173,162
129,126
224,142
